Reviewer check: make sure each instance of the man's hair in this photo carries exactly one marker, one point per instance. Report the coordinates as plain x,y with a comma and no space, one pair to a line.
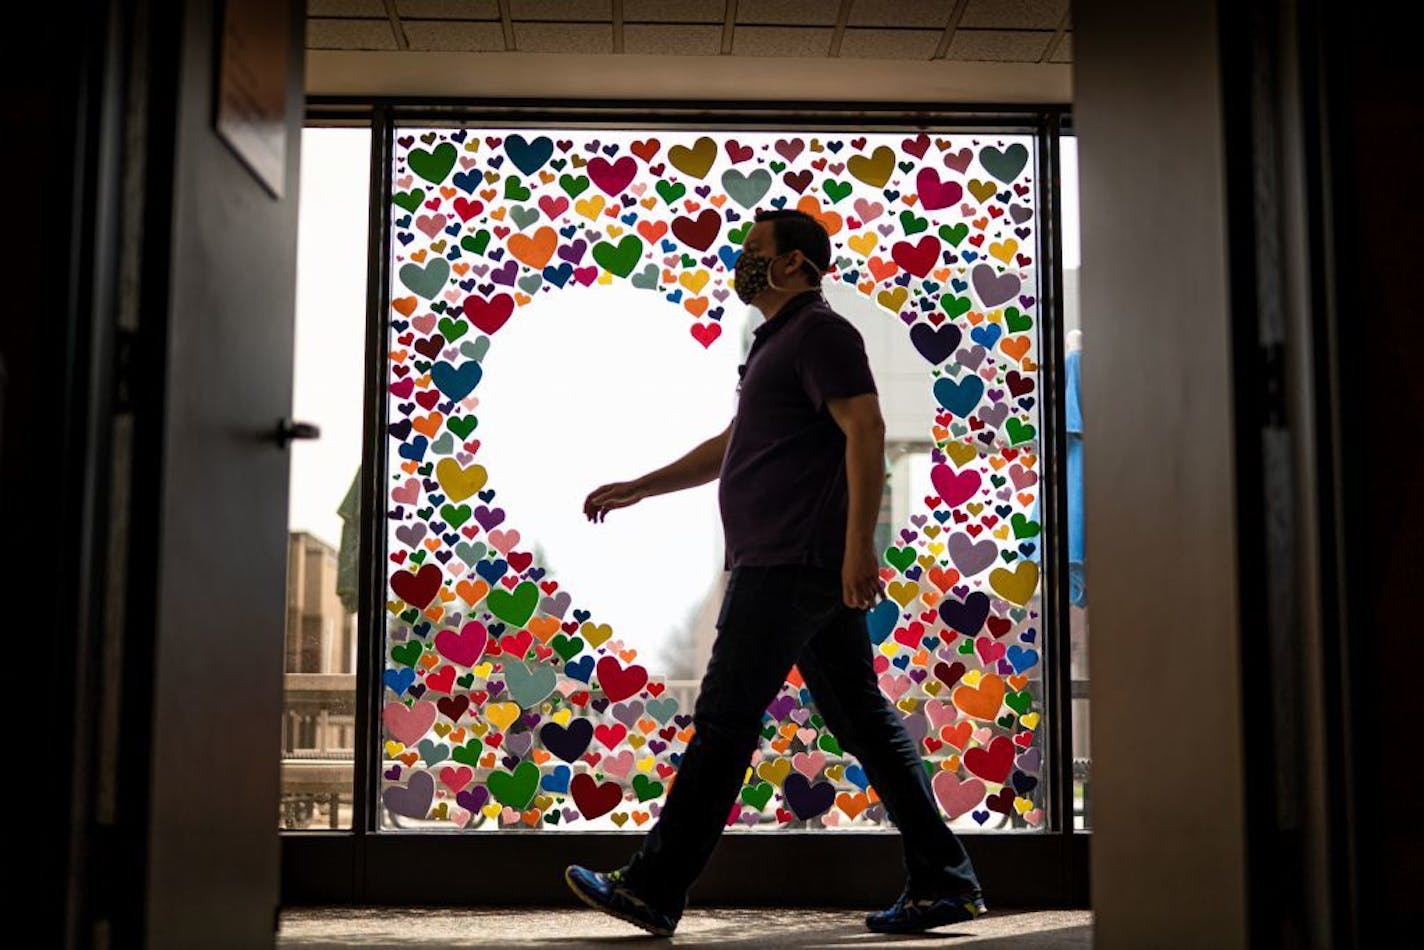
798,231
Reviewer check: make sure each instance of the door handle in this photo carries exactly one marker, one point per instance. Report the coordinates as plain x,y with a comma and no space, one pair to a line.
289,429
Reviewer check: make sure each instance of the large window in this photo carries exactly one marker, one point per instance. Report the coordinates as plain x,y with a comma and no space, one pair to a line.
560,317
319,722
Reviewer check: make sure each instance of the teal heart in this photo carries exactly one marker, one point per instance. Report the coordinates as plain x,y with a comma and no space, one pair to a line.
444,444
1004,165
475,349
456,382
528,687
433,752
530,283
470,553
661,709
746,190
425,281
523,216
647,278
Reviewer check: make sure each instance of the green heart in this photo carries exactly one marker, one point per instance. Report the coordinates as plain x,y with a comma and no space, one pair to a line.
828,743
619,259
966,647
462,425
573,186
567,647
453,329
836,190
1019,431
1006,721
1019,702
515,790
433,166
671,191
757,795
646,788
900,557
955,233
1018,321
1023,528
912,223
408,653
476,243
514,189
516,607
955,306
456,515
469,753
739,234
409,200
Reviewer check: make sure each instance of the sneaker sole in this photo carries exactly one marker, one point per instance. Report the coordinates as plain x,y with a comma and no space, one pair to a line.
613,912
921,926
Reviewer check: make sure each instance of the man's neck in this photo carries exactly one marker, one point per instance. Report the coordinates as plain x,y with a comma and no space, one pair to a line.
770,308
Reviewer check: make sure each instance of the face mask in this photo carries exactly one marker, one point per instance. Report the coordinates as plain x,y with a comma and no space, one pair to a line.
750,275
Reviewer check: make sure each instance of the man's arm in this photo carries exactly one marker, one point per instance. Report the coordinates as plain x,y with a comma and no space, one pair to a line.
860,420
697,467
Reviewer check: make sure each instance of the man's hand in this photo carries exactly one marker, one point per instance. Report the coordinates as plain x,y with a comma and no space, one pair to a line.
860,577
605,498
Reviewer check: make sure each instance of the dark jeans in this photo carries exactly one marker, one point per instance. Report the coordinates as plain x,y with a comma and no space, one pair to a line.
773,617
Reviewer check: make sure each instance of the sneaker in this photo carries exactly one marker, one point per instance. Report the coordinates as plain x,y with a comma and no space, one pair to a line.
913,914
611,893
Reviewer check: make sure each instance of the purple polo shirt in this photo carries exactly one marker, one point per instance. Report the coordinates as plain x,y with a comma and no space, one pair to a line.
782,489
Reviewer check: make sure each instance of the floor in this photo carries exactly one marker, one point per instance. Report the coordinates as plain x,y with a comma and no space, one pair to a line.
564,927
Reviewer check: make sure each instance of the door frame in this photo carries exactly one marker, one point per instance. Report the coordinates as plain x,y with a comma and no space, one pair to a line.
362,865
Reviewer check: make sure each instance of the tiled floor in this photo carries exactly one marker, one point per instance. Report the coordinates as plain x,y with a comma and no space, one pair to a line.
564,927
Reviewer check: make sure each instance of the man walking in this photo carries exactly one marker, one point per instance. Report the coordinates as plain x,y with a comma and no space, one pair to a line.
801,471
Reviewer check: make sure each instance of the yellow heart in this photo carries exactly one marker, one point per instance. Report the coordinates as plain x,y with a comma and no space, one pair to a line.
483,670
694,280
892,300
589,207
502,714
903,592
1029,720
563,716
646,763
394,748
491,810
863,243
1004,250
1015,586
971,678
1022,805
595,634
774,770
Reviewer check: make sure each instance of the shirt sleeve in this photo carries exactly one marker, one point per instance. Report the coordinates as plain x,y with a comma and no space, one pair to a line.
832,364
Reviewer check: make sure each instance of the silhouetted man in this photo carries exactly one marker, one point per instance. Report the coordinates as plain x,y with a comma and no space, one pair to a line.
801,471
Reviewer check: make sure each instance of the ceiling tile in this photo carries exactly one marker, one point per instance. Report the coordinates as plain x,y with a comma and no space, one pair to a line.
1064,52
672,38
448,9
788,12
346,8
674,11
563,37
781,41
564,10
890,44
479,36
349,34
1014,14
1003,46
901,13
